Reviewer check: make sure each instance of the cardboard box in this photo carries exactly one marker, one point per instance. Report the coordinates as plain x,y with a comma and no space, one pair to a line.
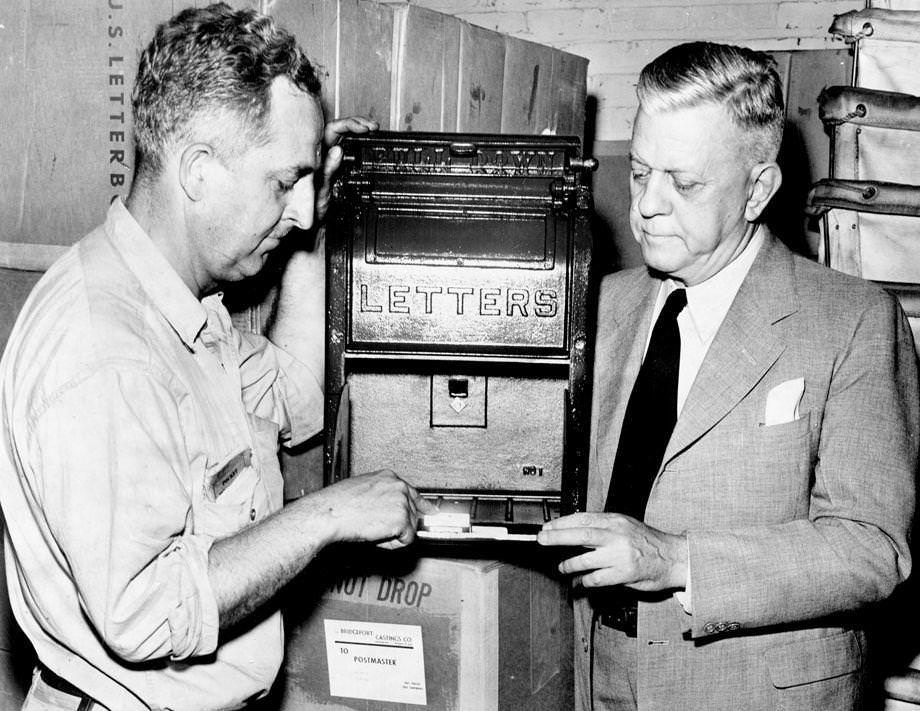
544,90
569,94
67,69
527,87
445,634
351,42
425,70
66,72
482,69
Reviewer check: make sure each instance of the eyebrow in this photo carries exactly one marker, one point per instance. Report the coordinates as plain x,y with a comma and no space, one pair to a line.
295,172
670,171
291,174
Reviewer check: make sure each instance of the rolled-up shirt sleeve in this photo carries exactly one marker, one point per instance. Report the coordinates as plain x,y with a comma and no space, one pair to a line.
115,488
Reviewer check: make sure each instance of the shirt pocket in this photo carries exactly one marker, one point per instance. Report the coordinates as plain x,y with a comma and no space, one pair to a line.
224,507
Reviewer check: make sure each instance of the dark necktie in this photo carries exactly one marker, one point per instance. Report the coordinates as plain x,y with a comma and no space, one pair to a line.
650,415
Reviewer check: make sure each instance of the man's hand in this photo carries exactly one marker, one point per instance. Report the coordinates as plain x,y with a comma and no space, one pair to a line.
247,568
624,551
377,508
331,137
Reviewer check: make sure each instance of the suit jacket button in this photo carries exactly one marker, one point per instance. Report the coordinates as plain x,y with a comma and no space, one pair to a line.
709,628
734,626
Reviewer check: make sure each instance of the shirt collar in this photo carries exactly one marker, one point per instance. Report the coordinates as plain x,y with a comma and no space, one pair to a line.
163,286
709,301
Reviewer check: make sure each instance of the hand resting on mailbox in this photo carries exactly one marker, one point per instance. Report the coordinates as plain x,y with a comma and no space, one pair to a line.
332,135
621,551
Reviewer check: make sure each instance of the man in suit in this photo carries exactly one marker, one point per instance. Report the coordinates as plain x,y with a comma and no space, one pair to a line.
754,428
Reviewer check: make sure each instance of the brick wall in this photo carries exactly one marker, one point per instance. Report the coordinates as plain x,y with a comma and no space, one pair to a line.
619,36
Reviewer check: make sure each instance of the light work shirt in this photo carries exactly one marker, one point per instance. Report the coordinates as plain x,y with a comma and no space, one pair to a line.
707,304
139,427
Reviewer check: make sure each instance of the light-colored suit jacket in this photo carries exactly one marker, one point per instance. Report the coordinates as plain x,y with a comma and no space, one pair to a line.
792,527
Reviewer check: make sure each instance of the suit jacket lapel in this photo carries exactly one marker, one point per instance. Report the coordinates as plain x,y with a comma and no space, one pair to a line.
744,348
623,329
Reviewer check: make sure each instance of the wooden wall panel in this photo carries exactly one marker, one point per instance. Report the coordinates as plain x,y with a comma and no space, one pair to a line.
805,153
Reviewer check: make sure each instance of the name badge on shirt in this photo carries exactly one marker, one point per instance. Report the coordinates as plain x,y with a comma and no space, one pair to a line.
226,474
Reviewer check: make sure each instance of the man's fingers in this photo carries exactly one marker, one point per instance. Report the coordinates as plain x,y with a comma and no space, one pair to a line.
587,537
425,506
585,520
594,568
332,162
351,124
580,563
603,577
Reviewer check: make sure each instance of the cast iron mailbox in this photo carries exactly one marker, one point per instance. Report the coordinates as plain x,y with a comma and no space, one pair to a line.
458,320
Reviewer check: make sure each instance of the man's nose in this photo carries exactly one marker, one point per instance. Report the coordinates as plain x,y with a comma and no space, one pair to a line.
653,199
301,205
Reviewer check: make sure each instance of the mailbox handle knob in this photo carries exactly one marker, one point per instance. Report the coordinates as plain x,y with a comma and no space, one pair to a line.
585,164
463,149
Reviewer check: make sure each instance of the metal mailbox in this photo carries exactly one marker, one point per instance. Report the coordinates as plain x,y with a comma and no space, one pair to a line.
458,327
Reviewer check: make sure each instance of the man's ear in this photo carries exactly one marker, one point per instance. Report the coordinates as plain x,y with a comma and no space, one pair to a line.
763,183
197,163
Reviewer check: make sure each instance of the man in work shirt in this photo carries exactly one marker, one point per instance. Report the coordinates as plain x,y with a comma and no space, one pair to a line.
139,480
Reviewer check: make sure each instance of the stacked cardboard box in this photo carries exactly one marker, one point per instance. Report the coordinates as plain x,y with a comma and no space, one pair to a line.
66,71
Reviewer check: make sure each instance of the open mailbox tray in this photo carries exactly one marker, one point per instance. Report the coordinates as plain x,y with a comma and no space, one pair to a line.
487,517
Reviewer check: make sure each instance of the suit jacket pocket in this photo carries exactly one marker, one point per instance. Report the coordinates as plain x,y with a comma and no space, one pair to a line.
786,431
810,660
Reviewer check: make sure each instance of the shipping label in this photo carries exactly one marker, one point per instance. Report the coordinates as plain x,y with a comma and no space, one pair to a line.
375,660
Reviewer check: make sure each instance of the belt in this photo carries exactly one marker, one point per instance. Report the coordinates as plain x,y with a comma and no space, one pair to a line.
87,703
618,610
621,618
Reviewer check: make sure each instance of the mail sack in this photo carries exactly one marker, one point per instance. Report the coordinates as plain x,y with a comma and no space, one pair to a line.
886,42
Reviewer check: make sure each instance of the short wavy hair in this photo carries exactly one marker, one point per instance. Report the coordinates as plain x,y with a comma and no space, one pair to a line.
203,65
742,80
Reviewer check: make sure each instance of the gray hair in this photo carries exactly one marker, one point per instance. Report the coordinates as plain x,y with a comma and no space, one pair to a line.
206,64
743,81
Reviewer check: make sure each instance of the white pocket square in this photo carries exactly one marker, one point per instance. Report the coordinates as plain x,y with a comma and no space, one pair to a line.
783,402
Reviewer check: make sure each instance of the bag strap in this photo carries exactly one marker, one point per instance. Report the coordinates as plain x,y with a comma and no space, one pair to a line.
863,196
898,25
869,107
